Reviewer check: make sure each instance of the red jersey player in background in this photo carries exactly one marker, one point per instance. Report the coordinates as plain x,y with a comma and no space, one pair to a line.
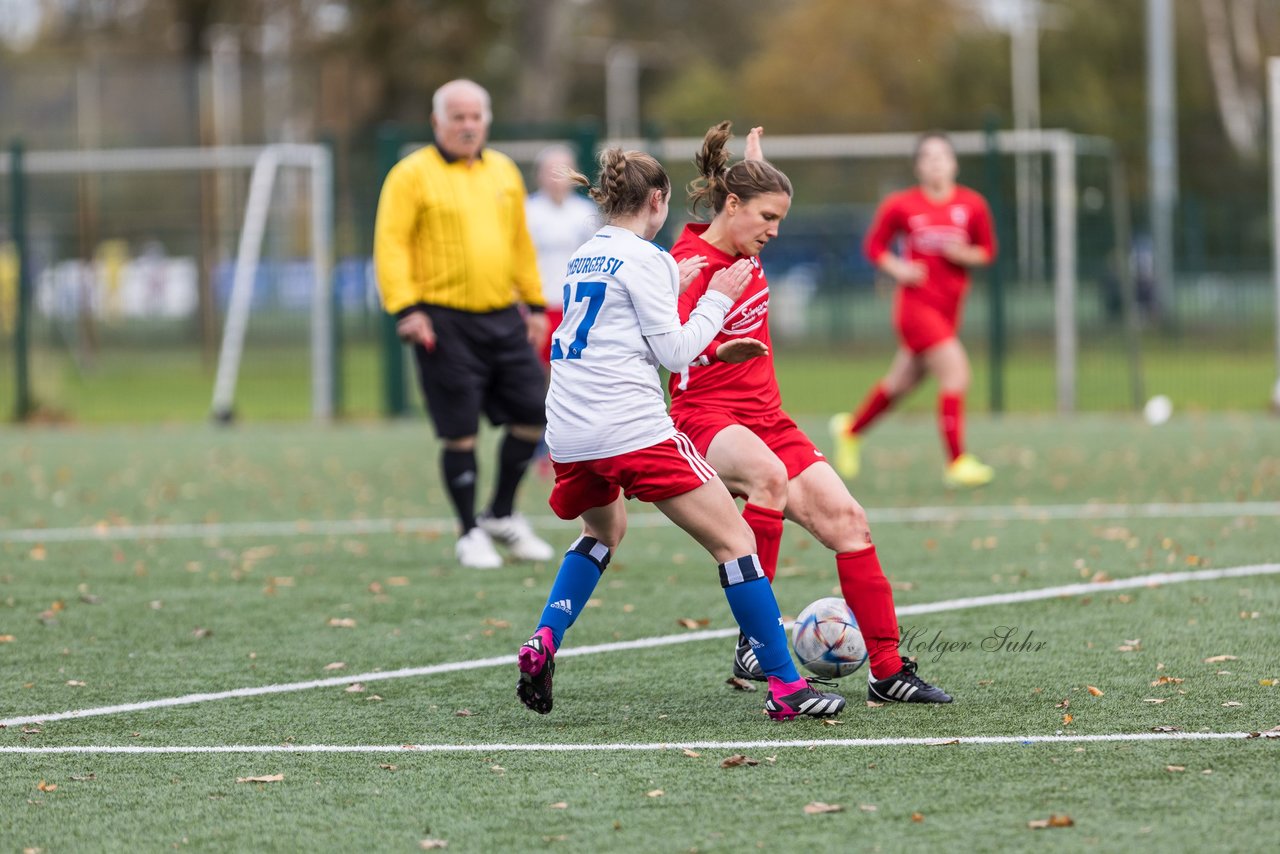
947,230
732,411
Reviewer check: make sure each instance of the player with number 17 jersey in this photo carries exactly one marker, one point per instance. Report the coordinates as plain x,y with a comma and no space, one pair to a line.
605,396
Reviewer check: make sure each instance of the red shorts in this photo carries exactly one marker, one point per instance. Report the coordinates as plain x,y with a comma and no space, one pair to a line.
787,441
651,474
921,326
554,316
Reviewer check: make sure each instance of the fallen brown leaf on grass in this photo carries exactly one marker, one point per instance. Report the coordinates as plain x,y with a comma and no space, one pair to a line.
868,807
267,778
693,624
342,622
497,624
558,805
7,638
201,632
387,767
75,683
944,742
463,713
1097,692
738,759
818,808
692,754
46,787
1231,704
433,844
1051,821
654,793
872,704
1175,768
1167,680
355,688
38,552
398,581
1153,699
1214,659
1166,729
336,665
1065,704
917,817
32,730
1068,718
831,722
739,684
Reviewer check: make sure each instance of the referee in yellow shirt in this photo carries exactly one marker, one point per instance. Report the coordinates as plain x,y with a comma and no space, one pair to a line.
456,266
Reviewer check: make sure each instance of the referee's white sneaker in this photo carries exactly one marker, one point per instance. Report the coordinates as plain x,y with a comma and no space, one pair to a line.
475,550
514,532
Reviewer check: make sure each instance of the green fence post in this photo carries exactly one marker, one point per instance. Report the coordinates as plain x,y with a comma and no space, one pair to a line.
22,322
335,301
995,298
394,400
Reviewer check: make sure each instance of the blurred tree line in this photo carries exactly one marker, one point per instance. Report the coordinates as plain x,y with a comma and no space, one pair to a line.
796,66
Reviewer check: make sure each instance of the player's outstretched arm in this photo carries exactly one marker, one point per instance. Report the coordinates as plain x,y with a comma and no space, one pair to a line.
754,150
740,350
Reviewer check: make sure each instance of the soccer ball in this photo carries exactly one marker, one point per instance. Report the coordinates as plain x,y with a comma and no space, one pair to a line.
826,639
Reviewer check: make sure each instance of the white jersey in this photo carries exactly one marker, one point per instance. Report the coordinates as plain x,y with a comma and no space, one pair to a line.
605,396
557,231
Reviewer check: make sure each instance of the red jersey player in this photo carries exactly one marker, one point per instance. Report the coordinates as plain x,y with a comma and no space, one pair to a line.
946,230
732,411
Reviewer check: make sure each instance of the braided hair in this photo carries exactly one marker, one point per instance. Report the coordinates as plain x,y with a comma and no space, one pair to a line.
626,180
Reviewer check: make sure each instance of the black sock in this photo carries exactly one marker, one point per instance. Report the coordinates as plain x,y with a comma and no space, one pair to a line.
459,469
513,459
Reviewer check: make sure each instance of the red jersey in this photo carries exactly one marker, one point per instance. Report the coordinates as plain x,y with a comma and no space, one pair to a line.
928,226
749,386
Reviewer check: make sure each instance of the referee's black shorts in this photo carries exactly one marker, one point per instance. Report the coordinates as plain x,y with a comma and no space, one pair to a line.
482,362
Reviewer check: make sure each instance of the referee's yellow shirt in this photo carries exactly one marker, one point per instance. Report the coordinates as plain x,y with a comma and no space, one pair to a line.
454,235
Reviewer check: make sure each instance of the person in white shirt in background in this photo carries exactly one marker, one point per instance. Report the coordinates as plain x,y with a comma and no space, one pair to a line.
559,221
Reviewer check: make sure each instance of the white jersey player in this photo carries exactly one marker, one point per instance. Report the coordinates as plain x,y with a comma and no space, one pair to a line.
610,435
620,322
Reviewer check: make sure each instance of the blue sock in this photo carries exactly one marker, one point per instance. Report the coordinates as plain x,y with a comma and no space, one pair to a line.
579,574
754,607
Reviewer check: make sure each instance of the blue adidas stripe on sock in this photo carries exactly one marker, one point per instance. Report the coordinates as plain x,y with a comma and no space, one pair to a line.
753,604
580,572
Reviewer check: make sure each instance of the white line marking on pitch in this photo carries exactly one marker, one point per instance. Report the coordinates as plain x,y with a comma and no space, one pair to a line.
883,516
649,746
1152,580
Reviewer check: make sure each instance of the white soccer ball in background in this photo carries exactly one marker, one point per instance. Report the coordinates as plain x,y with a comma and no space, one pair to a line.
826,639
1157,410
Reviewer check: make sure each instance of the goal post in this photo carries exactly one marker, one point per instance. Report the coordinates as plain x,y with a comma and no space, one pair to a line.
1273,160
264,163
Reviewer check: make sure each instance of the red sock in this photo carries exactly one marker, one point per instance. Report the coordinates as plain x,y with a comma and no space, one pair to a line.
877,402
951,422
766,524
870,598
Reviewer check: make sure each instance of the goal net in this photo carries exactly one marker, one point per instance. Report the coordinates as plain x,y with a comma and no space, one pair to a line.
163,272
1069,312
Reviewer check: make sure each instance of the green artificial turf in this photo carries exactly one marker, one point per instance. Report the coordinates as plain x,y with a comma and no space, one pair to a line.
146,617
